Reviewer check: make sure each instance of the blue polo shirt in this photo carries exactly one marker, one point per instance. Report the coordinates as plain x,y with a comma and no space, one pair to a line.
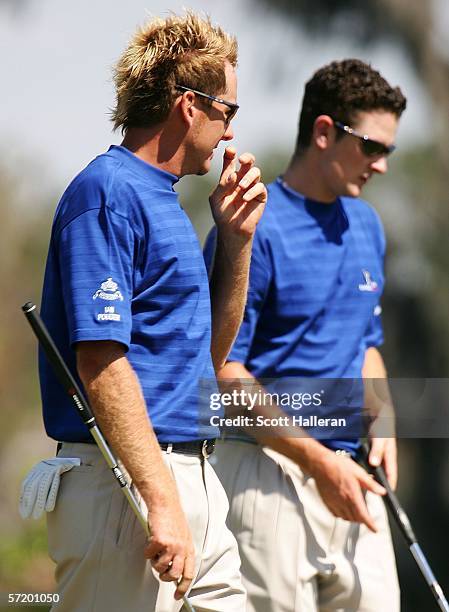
124,264
313,304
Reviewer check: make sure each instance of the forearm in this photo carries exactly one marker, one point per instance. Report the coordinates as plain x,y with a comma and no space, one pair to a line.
228,287
379,405
378,401
287,439
116,399
338,479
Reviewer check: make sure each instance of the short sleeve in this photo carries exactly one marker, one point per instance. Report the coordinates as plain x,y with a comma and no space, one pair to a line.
374,335
95,256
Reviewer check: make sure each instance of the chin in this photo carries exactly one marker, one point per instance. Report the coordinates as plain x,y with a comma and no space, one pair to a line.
205,167
353,190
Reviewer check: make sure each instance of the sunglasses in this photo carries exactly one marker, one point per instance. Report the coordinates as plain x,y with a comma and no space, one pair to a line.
233,108
370,148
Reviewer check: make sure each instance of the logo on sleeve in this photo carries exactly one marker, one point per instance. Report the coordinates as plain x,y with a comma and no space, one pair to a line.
109,314
369,284
108,291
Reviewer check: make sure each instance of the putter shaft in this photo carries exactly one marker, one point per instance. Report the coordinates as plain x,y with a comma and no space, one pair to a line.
406,529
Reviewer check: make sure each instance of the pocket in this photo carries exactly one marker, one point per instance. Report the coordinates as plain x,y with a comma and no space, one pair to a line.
236,468
87,465
70,527
122,521
83,468
130,533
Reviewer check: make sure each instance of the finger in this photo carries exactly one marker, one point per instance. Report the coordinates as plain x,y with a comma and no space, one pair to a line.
228,177
228,168
153,549
391,464
28,494
52,494
162,563
42,493
174,571
367,482
257,192
252,176
376,452
187,577
358,508
247,161
363,516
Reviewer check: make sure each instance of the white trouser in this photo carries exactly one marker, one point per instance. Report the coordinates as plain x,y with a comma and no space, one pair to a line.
296,556
97,542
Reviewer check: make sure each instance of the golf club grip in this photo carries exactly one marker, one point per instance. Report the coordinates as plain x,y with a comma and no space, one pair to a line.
390,498
62,372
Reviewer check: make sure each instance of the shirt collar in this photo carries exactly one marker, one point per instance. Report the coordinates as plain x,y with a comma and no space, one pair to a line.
161,177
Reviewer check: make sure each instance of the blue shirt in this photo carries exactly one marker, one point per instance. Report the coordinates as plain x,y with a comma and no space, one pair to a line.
124,264
313,303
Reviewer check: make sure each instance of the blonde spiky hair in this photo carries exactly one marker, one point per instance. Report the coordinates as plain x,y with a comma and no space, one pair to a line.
180,50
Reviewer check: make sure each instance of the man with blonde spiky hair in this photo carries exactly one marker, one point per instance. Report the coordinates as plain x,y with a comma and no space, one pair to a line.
127,300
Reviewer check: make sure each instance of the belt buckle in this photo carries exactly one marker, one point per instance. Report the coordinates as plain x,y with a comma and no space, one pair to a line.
343,453
208,448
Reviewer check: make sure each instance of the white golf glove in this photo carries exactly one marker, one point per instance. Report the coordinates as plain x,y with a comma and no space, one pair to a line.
40,486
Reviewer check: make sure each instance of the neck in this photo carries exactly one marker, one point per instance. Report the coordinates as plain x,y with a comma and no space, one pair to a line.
156,146
304,176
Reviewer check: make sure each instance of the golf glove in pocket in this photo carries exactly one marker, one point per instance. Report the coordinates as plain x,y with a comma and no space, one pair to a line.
40,486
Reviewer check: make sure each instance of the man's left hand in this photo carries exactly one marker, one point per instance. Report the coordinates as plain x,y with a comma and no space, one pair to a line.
238,201
384,452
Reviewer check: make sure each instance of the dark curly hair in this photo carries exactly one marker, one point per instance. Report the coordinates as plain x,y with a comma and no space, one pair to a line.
341,89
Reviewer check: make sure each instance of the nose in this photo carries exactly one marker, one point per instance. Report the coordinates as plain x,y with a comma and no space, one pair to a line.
229,133
380,165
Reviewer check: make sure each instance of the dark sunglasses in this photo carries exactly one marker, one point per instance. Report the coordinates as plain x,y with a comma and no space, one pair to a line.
370,148
233,108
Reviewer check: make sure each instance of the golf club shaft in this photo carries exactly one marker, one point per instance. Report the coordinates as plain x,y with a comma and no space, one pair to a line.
70,385
406,529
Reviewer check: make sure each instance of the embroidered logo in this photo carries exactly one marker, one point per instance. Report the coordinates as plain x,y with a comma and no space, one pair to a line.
108,291
109,314
369,284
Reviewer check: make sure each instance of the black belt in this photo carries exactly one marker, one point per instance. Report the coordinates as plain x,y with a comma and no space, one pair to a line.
198,448
201,448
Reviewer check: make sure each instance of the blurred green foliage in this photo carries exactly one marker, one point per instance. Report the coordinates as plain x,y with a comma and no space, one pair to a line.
25,219
20,552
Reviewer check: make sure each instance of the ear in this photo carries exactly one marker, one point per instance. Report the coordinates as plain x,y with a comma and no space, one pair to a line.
323,132
186,107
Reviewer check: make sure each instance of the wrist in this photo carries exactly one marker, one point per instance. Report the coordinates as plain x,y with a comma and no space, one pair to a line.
313,457
158,491
233,244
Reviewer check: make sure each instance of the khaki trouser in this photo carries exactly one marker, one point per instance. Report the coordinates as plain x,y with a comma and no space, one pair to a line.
296,556
97,542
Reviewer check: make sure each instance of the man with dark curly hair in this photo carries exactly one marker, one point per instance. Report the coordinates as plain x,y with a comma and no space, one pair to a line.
310,522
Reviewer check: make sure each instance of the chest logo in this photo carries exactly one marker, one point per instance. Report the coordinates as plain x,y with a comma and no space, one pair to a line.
108,291
369,284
